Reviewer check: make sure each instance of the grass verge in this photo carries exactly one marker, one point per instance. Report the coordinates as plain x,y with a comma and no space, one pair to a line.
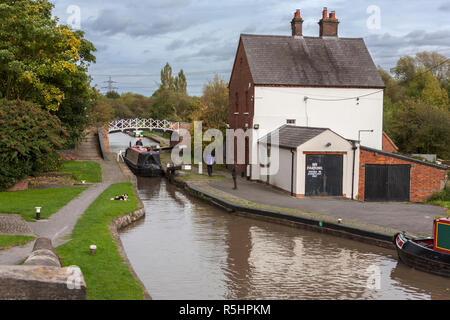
24,202
83,170
8,241
107,276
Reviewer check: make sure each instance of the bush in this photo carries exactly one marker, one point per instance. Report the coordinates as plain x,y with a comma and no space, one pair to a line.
444,195
29,137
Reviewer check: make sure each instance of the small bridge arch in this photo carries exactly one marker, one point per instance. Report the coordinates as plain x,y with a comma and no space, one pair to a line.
121,125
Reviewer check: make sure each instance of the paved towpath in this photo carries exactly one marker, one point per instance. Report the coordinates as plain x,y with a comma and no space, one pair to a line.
60,225
413,218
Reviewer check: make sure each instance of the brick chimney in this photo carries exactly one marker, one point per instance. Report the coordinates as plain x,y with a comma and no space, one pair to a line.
328,24
296,24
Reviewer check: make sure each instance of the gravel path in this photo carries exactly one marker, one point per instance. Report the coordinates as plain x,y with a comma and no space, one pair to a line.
60,225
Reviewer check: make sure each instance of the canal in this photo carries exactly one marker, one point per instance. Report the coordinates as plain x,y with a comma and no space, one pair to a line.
188,249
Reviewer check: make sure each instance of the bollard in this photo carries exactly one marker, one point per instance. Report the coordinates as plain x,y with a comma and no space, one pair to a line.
200,168
38,213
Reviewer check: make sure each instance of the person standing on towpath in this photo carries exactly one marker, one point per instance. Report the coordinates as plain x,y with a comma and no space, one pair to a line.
209,163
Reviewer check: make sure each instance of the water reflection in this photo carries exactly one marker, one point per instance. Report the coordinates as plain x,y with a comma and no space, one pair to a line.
120,141
187,249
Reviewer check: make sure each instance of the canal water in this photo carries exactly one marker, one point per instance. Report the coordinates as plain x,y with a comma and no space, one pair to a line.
188,249
120,141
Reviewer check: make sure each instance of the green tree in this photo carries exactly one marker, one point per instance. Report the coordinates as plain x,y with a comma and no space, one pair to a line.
421,128
214,104
45,63
180,82
29,138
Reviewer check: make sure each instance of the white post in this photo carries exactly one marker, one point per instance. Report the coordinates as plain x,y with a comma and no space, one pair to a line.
200,168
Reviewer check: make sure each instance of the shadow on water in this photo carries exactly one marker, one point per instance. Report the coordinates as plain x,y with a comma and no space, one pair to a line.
188,249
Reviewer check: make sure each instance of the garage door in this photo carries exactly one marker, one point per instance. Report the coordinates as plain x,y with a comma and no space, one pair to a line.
323,175
387,182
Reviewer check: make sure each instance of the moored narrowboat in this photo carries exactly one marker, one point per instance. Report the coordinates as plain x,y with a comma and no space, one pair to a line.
143,162
427,254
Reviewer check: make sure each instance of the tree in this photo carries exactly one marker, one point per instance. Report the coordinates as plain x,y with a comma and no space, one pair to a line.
29,136
112,94
421,128
171,100
181,83
45,63
102,113
214,104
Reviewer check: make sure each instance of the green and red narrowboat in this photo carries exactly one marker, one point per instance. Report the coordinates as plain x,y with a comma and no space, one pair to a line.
427,254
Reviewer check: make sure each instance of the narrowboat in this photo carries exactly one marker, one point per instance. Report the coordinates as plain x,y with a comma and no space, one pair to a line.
143,161
427,254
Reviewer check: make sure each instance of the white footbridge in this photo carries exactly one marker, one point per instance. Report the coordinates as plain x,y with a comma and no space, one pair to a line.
142,124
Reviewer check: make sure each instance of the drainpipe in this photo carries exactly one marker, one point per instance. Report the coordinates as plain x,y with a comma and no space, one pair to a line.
292,173
354,148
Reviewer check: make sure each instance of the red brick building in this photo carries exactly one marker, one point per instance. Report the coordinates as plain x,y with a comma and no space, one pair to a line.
385,176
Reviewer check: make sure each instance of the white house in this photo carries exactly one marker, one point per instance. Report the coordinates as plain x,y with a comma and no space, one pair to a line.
318,82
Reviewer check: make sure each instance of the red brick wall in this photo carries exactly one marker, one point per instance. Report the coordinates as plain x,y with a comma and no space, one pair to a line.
388,145
239,83
425,180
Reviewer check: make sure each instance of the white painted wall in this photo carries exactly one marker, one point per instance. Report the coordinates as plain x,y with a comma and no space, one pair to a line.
318,144
283,178
273,105
338,144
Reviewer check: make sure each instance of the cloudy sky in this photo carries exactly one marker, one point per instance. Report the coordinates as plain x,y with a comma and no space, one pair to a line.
135,38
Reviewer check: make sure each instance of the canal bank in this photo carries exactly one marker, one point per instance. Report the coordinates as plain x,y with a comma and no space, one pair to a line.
372,223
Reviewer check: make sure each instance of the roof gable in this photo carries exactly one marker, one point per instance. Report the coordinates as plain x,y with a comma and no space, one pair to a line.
310,61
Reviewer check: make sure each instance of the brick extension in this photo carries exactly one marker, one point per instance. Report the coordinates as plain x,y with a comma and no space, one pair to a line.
426,178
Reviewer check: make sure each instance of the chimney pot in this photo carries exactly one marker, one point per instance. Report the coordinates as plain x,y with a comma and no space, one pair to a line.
297,14
328,25
325,12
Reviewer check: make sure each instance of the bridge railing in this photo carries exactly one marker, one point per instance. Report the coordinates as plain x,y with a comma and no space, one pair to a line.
150,124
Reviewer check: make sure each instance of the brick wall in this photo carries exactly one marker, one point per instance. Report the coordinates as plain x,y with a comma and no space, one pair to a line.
239,84
388,144
425,179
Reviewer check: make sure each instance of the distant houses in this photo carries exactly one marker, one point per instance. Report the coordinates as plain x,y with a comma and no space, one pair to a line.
323,96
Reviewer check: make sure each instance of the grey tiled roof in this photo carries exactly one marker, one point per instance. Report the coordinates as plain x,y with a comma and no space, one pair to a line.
293,136
310,61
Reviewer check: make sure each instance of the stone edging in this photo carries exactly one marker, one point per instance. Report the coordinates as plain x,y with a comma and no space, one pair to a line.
120,223
366,236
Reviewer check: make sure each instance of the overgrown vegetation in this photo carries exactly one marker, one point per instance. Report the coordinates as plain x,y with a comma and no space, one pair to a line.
7,241
416,104
24,202
83,170
442,198
107,276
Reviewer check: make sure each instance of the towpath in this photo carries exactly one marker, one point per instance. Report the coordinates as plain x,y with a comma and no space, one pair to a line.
60,225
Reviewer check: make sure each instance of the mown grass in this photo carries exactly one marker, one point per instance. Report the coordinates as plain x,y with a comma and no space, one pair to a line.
24,202
83,170
106,274
7,241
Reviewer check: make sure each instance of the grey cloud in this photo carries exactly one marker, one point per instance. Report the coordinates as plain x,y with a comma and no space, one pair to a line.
386,49
112,22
